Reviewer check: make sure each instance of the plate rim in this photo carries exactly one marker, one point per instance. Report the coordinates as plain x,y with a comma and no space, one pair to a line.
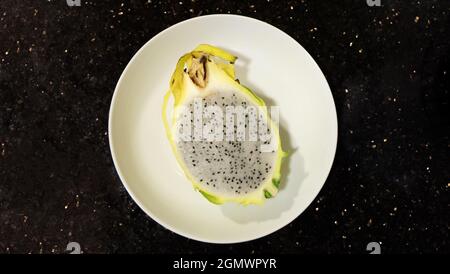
147,211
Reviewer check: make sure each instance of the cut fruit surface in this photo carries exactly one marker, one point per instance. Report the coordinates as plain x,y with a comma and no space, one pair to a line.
220,131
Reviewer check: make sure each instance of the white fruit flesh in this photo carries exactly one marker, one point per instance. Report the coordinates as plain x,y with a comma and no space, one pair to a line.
227,168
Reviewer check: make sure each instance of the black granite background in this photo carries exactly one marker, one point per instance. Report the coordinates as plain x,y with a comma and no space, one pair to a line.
388,68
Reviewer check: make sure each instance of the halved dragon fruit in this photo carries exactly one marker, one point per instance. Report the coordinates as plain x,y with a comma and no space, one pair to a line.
220,131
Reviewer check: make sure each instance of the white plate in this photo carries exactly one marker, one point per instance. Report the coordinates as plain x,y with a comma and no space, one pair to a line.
272,64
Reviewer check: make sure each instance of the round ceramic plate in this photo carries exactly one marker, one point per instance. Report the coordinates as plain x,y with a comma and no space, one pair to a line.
273,65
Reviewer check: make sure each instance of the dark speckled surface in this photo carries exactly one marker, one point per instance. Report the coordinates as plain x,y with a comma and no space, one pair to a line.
388,68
